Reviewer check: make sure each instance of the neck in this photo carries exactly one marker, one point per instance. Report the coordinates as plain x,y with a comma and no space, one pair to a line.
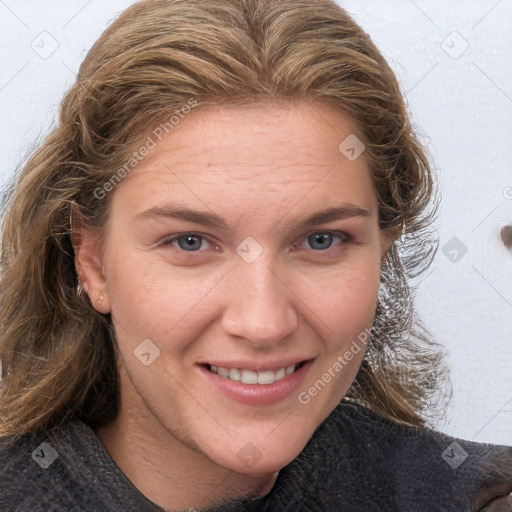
172,472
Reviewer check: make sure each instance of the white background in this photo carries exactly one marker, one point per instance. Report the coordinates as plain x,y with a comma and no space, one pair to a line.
461,103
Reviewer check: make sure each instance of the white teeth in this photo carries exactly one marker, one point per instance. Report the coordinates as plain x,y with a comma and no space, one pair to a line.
248,377
266,377
234,374
280,374
252,376
223,372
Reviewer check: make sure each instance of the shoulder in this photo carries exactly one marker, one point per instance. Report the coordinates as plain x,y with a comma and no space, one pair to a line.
360,460
424,465
502,504
64,468
31,474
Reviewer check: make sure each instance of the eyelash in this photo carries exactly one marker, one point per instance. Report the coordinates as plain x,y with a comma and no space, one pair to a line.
346,239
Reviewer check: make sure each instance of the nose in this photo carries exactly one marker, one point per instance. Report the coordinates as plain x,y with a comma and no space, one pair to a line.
260,306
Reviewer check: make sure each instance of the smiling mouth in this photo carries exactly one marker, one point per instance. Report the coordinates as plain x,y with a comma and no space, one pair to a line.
254,376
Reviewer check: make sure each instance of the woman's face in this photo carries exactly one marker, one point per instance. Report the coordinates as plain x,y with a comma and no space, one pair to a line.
210,261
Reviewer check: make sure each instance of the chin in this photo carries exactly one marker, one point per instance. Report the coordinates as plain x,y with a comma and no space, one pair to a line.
263,453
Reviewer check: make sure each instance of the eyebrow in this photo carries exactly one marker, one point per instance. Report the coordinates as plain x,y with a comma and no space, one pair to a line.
212,220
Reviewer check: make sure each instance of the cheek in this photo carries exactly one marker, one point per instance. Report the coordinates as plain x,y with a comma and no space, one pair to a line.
151,300
345,302
133,292
346,312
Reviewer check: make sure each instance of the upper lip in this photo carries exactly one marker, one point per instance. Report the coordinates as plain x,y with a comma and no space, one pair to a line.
255,365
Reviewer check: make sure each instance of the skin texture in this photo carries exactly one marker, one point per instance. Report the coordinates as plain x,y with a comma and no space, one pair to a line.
260,167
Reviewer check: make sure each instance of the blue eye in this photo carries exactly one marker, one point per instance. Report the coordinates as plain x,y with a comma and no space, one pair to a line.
188,242
319,241
323,240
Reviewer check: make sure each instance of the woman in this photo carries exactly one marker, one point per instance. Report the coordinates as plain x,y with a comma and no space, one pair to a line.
204,294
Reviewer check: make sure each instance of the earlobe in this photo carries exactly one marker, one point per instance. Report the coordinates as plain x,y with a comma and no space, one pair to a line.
88,261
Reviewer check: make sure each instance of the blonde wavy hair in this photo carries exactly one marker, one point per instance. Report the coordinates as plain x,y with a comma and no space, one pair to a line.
58,354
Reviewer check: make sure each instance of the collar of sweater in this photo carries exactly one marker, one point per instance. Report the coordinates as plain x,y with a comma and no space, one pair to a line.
355,461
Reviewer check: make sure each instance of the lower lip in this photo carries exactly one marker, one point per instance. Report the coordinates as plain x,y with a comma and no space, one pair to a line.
258,394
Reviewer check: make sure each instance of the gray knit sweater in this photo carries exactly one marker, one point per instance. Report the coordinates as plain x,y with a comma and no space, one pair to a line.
355,462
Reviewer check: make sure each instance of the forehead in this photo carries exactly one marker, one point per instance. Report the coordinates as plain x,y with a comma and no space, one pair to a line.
281,151
292,131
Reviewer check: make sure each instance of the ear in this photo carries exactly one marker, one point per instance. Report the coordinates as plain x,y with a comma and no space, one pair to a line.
88,260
